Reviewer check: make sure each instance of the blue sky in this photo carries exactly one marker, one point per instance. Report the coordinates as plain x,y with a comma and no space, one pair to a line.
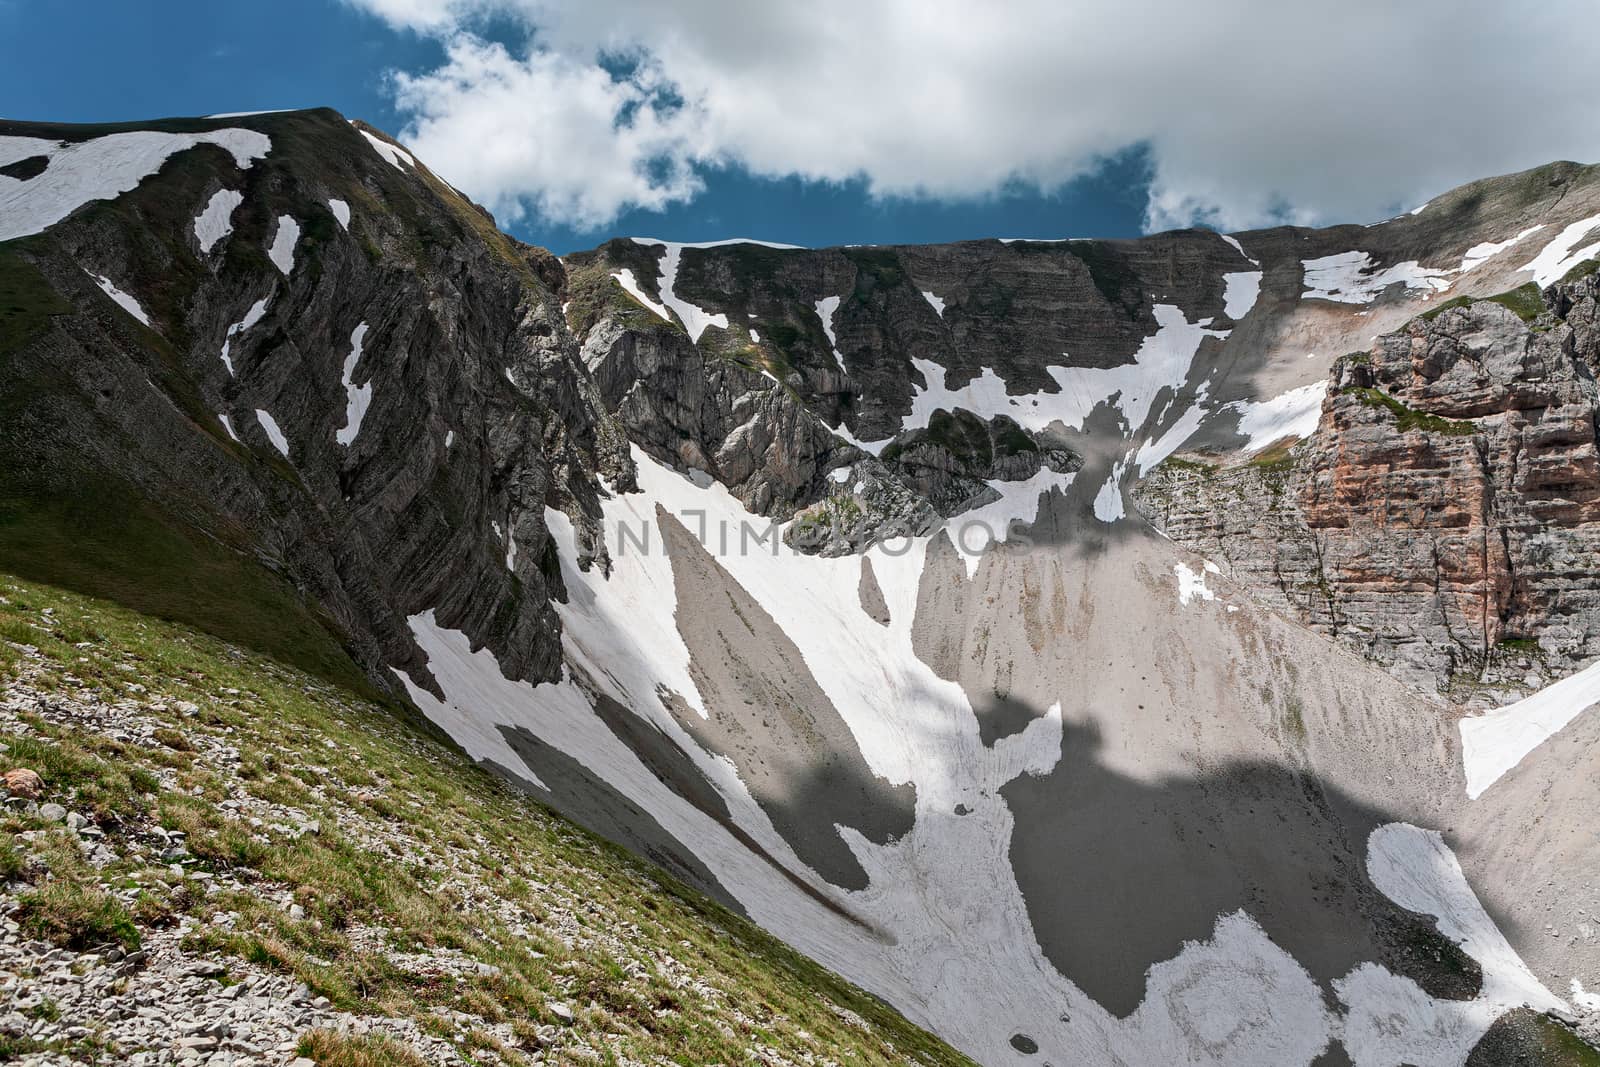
125,62
820,122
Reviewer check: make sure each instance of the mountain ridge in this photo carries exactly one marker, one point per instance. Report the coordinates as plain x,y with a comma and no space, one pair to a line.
445,434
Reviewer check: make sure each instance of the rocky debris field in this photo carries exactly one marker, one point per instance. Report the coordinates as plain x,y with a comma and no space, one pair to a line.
213,860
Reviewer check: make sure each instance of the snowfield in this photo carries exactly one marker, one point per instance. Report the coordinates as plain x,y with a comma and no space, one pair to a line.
956,947
98,169
357,397
124,301
216,221
1496,741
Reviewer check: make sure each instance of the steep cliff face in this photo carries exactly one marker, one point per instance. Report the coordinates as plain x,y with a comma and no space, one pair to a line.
1442,516
313,355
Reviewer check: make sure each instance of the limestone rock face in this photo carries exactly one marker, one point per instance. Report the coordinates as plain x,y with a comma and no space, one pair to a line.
1444,518
382,424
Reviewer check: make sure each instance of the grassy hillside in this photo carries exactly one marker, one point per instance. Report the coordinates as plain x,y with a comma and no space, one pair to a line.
280,868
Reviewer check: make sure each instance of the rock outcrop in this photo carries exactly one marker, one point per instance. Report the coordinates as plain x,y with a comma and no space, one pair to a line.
1445,516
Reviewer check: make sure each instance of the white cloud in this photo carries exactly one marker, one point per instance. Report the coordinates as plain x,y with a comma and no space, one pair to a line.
1252,112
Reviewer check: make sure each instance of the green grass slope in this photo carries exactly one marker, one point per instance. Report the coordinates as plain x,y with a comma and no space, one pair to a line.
393,847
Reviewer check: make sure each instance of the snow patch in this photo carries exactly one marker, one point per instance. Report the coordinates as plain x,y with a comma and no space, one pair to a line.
282,251
1479,254
756,337
695,319
357,397
827,308
1240,290
341,211
1390,1019
227,424
1353,278
1496,741
251,317
1558,257
630,285
449,438
124,300
275,435
1239,248
394,154
935,302
1192,584
216,221
1108,505
1291,414
1585,1001
99,169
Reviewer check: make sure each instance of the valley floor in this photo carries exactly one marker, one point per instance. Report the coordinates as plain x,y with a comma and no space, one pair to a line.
232,863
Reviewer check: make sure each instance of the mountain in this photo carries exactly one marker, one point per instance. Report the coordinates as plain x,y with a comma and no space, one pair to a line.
1080,645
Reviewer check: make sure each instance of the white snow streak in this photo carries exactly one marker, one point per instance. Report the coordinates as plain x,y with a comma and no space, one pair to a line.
1496,741
275,435
1558,257
251,317
1239,248
99,169
216,221
626,279
827,308
393,153
1291,414
1479,254
357,397
124,300
694,319
227,424
282,251
341,211
935,302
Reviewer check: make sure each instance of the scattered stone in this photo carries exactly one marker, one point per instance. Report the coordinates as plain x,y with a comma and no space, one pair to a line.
52,812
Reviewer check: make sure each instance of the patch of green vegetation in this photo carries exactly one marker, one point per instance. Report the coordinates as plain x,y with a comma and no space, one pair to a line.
331,1048
1409,418
1277,458
27,300
1181,465
1523,1036
353,767
1527,645
76,916
1580,272
1524,301
101,538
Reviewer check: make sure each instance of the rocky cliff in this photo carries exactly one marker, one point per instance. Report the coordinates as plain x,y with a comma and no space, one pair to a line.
1442,516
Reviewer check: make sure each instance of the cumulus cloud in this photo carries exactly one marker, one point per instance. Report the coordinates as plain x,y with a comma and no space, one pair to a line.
1251,113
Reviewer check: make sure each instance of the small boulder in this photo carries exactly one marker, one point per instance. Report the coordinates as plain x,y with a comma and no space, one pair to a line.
561,1012
52,812
24,783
